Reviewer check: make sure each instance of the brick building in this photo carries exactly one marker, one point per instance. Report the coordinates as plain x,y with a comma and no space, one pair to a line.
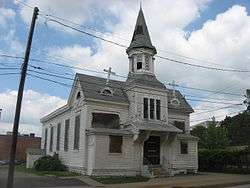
23,142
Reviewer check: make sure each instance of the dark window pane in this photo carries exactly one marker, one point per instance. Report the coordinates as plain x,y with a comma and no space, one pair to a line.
77,132
180,125
139,65
158,109
66,135
184,148
152,108
45,139
115,144
145,107
104,120
51,139
58,136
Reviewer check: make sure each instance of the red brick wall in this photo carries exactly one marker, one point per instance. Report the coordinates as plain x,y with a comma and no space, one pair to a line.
23,143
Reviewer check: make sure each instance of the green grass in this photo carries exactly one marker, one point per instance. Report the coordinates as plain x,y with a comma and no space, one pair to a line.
22,168
119,179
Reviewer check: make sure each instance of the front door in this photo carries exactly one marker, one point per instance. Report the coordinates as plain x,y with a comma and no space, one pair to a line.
151,151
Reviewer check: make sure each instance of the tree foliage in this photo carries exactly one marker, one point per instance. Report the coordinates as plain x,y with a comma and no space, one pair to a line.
238,128
212,137
49,163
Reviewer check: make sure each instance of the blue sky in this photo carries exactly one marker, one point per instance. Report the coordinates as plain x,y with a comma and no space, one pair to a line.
59,45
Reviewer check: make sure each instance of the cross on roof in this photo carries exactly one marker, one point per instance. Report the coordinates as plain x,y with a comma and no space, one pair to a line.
109,73
173,84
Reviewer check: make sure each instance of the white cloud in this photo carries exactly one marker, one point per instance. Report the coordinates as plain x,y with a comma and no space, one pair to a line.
34,106
223,41
5,15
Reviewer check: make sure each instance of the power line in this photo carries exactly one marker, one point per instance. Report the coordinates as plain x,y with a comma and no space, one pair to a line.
90,70
101,84
161,57
70,86
206,119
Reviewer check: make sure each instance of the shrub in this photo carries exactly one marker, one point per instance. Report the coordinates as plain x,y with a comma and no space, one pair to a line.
49,163
224,160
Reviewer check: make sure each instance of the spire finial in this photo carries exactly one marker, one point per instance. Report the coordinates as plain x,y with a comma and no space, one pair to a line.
140,5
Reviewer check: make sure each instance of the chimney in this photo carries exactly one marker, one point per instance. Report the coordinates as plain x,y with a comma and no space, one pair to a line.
32,135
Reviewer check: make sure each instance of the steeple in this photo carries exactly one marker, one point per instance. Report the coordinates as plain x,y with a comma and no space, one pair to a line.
141,38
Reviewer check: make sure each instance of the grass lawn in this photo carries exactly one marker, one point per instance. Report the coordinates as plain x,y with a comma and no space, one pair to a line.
119,179
22,168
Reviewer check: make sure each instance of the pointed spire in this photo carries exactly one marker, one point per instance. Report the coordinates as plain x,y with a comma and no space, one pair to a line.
141,36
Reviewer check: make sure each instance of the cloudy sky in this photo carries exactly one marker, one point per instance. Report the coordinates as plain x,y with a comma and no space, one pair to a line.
204,32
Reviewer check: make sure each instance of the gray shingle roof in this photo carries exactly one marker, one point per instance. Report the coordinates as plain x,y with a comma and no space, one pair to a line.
92,87
184,106
141,36
144,80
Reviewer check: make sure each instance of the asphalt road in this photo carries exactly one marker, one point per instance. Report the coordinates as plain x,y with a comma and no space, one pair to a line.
24,180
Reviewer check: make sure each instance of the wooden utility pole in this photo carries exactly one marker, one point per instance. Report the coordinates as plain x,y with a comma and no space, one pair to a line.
19,102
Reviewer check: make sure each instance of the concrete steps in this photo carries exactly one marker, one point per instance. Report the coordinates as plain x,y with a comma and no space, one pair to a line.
158,171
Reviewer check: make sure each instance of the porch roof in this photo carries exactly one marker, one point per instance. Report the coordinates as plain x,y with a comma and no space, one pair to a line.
156,126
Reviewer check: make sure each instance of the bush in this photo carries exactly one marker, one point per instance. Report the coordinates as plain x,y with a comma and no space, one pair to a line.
49,163
233,161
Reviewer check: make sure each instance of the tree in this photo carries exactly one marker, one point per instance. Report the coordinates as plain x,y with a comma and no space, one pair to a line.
200,132
212,137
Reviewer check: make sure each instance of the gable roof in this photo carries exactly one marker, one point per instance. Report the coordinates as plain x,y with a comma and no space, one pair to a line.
184,106
141,36
92,87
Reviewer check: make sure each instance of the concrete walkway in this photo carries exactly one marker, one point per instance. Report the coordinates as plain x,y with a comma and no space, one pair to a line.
202,180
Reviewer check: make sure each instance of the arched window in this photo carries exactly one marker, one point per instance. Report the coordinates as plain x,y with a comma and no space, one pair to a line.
107,91
78,96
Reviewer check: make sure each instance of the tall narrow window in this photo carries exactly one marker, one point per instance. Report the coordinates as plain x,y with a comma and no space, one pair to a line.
58,136
184,147
145,107
66,135
158,109
45,139
51,139
152,108
77,132
139,61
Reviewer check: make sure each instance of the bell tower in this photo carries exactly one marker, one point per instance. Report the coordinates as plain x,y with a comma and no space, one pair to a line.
141,51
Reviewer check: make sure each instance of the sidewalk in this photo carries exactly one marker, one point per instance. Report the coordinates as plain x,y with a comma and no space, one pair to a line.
202,180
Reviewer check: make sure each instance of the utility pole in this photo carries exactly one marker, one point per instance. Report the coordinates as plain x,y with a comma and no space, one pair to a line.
19,101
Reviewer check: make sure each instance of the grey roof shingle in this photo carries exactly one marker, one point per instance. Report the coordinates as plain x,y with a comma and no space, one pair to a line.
184,106
141,36
92,87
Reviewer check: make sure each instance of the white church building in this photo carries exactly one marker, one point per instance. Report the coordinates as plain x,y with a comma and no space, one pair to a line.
134,127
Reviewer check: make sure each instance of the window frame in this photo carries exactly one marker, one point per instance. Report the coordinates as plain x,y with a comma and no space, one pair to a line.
51,139
158,109
58,136
66,134
45,139
145,108
76,145
152,108
111,142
